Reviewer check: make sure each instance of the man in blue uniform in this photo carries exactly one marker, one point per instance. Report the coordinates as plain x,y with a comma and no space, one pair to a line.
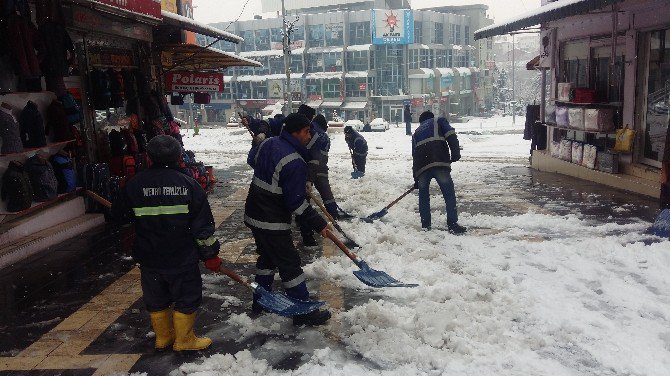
431,143
358,147
174,229
277,192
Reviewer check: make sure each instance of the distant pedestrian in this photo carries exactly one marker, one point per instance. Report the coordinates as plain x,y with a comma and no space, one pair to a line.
357,146
431,145
175,228
277,192
407,114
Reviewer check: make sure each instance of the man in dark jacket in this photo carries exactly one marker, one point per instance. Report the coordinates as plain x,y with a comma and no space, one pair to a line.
358,147
174,228
277,192
431,143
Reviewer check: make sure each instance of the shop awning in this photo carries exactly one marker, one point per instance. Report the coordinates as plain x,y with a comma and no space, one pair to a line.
316,103
197,58
550,12
421,73
186,23
463,71
332,104
354,105
533,63
445,71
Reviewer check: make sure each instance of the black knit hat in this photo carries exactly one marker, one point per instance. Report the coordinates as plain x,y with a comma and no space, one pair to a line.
307,111
295,122
425,116
348,129
321,121
164,149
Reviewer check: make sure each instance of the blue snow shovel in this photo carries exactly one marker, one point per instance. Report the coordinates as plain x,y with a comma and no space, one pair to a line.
383,212
661,226
367,275
355,174
280,304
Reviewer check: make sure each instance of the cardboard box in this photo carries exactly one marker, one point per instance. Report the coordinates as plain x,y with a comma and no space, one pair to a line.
564,91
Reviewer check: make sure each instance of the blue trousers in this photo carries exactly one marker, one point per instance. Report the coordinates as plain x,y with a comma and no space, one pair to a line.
443,177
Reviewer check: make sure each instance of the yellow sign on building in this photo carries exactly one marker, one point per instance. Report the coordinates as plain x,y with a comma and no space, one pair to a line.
170,6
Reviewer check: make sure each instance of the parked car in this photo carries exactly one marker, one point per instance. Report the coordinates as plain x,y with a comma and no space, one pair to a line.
354,123
379,124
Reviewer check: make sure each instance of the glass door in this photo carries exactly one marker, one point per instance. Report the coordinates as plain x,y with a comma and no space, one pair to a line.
657,94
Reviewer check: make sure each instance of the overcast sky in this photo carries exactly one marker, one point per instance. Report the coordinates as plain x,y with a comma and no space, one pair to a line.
210,11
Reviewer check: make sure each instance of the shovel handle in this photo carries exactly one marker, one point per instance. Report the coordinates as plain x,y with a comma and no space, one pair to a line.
399,198
99,199
342,247
236,277
242,121
320,205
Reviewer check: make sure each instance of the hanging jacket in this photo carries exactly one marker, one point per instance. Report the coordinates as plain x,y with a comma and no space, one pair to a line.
25,44
71,108
10,134
115,87
57,43
173,220
100,94
16,188
32,127
57,124
64,171
431,143
42,178
277,189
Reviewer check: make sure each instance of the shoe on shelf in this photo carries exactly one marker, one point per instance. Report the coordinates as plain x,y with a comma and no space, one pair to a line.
315,318
456,229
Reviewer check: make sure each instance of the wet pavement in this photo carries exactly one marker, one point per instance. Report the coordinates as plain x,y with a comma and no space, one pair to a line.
76,309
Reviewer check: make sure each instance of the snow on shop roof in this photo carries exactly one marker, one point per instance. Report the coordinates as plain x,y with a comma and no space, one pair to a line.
320,75
457,47
262,53
550,12
325,49
445,71
354,74
197,27
298,51
463,71
359,47
421,73
194,57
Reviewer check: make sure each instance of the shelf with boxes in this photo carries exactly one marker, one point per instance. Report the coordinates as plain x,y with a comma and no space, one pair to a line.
587,117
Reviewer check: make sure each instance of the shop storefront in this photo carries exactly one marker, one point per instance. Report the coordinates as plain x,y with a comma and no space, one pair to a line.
607,67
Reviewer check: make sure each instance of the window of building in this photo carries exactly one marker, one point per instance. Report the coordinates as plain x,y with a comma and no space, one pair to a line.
245,71
276,35
259,90
262,39
356,87
418,32
441,58
296,64
332,61
276,64
298,33
452,34
315,35
224,45
457,37
390,73
357,61
466,34
655,54
334,35
243,89
425,58
438,35
265,69
248,44
468,63
313,87
314,63
331,88
574,61
359,33
413,59
450,59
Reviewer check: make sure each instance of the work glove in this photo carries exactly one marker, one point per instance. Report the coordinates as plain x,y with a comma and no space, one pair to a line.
258,139
309,186
331,207
213,263
455,158
416,184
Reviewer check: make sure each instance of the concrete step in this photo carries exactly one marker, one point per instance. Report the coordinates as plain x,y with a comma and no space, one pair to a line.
35,242
43,219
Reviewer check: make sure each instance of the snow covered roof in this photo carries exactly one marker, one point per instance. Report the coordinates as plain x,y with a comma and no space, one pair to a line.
319,75
463,71
421,73
445,71
550,12
189,24
251,78
355,74
262,53
326,49
359,47
198,58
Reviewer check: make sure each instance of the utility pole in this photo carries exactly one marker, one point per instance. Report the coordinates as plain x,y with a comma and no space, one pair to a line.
513,84
287,63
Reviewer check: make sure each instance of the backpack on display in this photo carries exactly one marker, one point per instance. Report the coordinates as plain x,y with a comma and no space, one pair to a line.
72,111
42,178
142,162
131,141
32,127
16,188
117,143
122,165
65,174
10,134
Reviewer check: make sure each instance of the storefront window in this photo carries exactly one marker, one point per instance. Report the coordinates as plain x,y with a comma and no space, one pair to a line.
418,32
357,61
262,39
438,35
248,44
332,61
359,33
334,35
355,87
315,34
608,87
574,57
296,64
259,90
276,64
313,87
389,71
331,88
314,62
658,96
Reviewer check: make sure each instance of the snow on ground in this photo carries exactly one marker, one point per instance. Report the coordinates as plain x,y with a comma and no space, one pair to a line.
543,294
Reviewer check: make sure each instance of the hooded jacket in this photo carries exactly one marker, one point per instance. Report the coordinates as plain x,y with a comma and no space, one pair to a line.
9,133
431,143
42,178
16,188
277,189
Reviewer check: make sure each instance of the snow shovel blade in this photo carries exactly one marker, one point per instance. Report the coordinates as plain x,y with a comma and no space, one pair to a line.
357,174
377,278
375,216
661,226
284,305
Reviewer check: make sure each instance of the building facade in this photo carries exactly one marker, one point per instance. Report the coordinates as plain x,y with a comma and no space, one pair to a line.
337,69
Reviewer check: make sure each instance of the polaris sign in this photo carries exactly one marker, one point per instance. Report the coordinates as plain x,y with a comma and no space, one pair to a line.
193,82
392,26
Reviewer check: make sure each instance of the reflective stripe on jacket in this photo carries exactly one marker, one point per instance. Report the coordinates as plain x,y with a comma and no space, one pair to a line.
431,143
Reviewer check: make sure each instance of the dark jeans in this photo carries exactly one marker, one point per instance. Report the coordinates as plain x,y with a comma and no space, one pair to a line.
360,160
160,289
443,177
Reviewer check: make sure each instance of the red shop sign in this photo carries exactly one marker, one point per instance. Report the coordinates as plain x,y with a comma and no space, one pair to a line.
362,86
150,8
191,82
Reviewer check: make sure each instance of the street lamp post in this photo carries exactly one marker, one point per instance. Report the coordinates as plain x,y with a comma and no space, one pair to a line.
513,84
287,62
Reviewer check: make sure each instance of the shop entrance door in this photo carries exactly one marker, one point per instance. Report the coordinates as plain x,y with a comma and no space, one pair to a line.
396,115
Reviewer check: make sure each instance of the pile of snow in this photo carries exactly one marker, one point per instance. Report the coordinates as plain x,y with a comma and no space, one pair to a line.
528,294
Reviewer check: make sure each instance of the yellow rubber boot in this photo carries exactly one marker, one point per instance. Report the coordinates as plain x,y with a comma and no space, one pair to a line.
161,321
186,339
